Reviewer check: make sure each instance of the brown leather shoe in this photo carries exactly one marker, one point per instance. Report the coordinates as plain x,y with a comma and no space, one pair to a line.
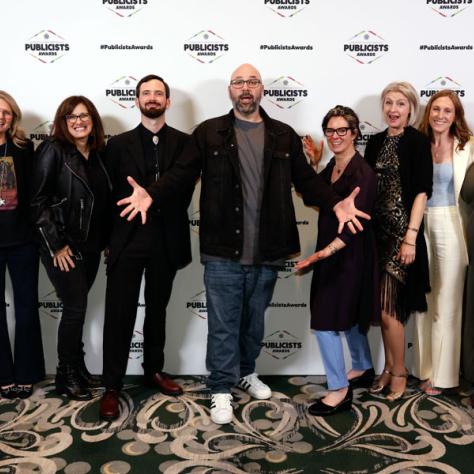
164,383
109,407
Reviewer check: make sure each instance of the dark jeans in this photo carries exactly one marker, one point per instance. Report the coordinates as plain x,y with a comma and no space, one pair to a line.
145,253
237,297
27,366
72,288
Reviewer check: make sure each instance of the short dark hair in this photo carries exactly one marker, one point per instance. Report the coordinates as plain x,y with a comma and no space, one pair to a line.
348,114
96,140
150,77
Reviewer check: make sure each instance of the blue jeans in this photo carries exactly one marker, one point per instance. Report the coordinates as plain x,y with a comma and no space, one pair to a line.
330,345
237,297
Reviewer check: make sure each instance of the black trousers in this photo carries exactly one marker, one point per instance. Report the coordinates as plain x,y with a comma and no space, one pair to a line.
27,365
144,254
72,288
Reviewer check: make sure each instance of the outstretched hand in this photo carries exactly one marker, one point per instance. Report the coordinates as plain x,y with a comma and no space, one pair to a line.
347,213
312,150
138,202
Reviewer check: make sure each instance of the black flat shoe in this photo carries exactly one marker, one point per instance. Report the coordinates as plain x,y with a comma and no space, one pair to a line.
24,390
9,392
364,380
319,408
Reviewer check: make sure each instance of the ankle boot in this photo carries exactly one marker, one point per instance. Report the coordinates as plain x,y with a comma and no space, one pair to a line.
69,383
88,380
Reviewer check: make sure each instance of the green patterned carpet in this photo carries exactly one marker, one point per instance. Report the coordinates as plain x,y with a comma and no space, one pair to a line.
160,434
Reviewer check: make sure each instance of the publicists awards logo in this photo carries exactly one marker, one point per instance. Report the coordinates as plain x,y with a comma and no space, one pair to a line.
366,130
288,269
441,83
281,344
206,46
286,8
197,305
136,345
122,92
50,305
366,47
285,92
41,131
448,8
125,8
195,221
47,46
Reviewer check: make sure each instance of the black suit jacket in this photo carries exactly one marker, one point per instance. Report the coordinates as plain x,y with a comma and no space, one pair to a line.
124,157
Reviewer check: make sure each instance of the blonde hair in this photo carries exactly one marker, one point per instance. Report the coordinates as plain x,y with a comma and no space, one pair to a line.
15,132
410,93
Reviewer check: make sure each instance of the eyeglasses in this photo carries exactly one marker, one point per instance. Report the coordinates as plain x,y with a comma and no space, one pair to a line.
74,118
341,131
251,83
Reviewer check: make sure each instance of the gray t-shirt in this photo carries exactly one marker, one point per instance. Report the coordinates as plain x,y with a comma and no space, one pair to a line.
250,140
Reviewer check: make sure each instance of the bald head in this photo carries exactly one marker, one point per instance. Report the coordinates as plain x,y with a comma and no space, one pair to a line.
245,95
245,71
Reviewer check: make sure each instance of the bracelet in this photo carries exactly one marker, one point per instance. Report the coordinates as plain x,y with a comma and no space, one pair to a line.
414,229
408,243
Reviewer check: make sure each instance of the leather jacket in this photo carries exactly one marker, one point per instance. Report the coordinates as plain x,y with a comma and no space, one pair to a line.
62,200
213,153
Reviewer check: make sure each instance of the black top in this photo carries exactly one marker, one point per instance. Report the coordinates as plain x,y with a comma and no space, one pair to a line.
153,150
344,288
15,171
100,189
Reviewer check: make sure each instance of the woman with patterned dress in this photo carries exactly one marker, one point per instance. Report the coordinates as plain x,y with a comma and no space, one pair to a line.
437,335
401,158
344,289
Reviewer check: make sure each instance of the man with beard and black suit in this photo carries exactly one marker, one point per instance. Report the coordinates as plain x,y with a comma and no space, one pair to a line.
157,248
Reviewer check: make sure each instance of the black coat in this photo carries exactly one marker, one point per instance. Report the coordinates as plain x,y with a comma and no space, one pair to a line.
62,200
345,287
124,157
416,175
213,153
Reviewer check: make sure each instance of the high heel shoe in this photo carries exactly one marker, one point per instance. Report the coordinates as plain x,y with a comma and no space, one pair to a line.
8,391
24,390
393,396
378,386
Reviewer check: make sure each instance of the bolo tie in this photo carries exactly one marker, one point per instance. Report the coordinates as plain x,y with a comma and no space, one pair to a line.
155,149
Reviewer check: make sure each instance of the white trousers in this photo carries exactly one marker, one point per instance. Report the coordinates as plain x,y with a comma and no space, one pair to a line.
437,333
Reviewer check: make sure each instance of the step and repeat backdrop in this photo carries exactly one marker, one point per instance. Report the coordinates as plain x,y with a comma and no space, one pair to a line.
313,54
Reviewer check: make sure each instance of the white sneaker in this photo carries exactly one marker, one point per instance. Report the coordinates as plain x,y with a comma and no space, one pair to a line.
255,387
221,408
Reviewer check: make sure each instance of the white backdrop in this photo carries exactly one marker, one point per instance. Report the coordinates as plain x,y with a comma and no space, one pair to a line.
312,54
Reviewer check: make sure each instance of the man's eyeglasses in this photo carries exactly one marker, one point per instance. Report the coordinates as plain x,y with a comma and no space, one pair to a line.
251,83
341,131
74,118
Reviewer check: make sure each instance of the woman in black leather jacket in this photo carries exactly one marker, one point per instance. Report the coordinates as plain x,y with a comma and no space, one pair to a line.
70,203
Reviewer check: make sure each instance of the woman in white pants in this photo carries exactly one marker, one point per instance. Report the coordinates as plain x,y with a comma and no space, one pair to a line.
437,335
